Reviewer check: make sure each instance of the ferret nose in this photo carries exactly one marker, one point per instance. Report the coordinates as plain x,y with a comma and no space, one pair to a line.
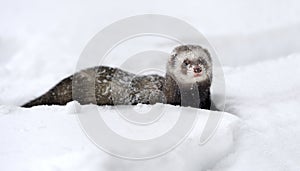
197,69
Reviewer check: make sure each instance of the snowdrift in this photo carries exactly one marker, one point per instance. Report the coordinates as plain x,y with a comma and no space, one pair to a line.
50,138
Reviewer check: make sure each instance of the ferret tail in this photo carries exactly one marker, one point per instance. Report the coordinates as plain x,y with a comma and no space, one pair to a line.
35,102
60,94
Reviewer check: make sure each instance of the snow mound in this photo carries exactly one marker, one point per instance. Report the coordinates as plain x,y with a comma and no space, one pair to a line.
51,138
266,97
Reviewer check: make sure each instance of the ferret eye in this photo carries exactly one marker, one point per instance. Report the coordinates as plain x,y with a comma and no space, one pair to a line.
186,62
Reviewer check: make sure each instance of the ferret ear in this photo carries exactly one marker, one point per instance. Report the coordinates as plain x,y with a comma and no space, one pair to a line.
172,59
173,56
207,52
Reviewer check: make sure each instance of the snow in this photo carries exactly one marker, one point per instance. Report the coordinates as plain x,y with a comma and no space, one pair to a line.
268,104
256,41
50,138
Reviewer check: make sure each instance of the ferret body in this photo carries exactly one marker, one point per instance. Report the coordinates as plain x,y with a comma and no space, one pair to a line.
187,82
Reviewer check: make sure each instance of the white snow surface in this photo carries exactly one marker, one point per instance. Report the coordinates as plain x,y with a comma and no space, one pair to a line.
50,138
257,43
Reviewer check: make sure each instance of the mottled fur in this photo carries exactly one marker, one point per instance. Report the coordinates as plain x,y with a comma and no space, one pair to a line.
187,83
104,85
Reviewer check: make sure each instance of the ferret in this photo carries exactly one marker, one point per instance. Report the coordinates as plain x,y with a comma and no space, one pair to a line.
187,83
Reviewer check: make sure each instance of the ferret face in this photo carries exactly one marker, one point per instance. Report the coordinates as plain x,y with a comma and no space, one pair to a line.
189,64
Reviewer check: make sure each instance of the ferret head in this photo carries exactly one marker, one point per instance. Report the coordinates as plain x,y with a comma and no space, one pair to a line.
190,64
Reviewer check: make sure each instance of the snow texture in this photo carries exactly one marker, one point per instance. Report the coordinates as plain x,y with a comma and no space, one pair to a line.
257,43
